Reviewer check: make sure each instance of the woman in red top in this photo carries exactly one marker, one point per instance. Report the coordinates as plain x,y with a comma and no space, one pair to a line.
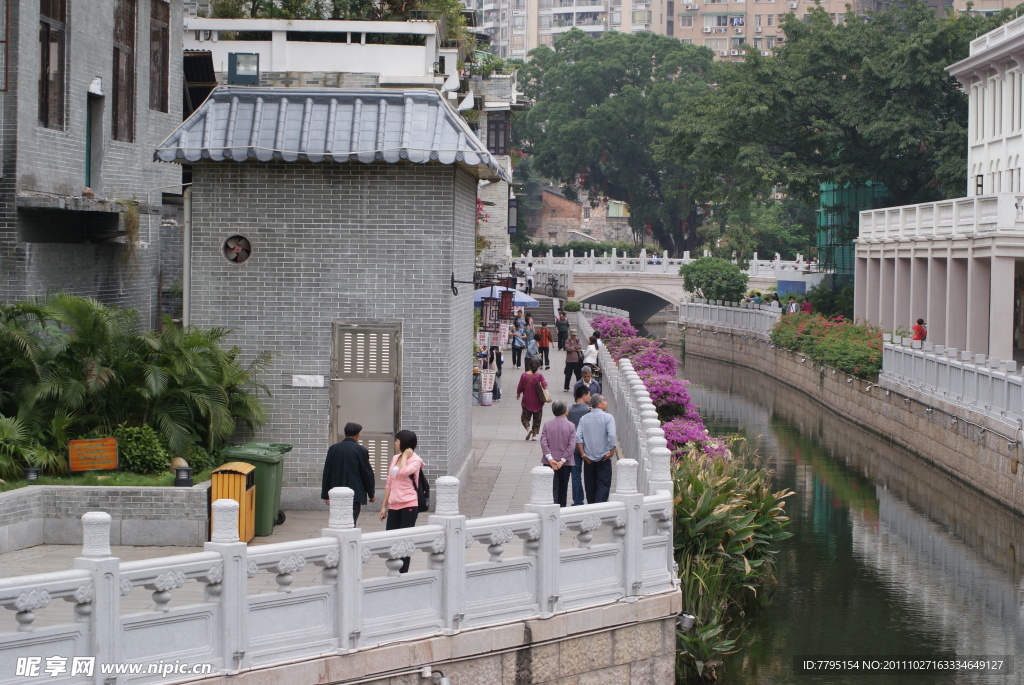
533,403
920,330
401,503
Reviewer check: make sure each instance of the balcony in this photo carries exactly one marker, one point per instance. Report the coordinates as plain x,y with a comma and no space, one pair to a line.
963,217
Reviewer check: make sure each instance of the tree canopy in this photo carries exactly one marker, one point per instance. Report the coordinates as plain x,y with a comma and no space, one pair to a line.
603,107
866,100
714,279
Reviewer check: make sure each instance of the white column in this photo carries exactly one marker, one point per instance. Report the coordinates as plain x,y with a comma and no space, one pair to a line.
901,293
979,290
1000,336
872,298
860,287
632,532
452,556
956,304
886,314
104,632
348,574
935,314
233,590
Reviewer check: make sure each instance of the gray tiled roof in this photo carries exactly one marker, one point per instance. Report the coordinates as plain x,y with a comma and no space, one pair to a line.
328,124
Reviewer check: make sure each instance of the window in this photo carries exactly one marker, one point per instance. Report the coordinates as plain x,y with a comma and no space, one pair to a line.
586,212
738,21
52,15
518,42
716,44
615,18
771,20
769,42
757,20
123,89
497,133
686,40
159,47
670,30
544,22
518,22
685,21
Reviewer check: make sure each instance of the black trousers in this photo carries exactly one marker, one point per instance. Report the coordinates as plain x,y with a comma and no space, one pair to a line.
356,506
517,356
597,480
560,485
562,337
570,369
402,518
545,355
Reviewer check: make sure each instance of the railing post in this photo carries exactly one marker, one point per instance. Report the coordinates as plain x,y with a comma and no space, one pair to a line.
450,551
542,503
233,590
614,260
105,618
626,492
348,582
643,259
664,261
661,469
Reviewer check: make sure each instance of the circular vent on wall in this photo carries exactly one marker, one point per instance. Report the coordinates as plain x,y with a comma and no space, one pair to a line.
237,249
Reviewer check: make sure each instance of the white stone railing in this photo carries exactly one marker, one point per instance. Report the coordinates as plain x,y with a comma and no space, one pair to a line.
236,626
654,263
742,316
636,418
966,215
986,385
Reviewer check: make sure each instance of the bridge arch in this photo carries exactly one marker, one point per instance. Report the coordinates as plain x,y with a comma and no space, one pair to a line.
641,302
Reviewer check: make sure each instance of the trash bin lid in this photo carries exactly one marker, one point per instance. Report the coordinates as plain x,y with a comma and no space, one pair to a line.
280,447
239,467
254,451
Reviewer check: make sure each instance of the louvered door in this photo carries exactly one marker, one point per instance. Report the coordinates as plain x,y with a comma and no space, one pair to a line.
366,388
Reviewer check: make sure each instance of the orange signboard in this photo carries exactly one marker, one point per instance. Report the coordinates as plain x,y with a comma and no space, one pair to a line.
93,455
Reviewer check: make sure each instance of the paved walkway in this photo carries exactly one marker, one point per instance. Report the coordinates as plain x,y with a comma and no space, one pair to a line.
500,484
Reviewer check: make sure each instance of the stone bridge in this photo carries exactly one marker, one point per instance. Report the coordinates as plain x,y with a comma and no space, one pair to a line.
645,285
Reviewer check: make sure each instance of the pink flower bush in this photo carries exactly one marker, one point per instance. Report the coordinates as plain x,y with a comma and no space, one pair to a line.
684,429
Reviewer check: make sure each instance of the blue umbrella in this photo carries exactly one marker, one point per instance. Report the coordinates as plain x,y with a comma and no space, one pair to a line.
518,299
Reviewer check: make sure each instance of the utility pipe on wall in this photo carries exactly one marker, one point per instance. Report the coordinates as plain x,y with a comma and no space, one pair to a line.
186,261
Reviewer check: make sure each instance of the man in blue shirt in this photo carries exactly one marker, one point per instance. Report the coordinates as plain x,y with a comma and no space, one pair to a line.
595,439
577,412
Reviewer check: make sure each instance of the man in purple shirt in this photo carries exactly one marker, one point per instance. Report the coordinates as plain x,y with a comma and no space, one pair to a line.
557,445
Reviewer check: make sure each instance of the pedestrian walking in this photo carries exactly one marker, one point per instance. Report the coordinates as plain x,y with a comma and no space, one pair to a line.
532,348
557,448
531,328
807,307
577,412
530,274
590,354
529,391
518,345
495,360
544,344
348,466
792,307
562,327
573,358
592,384
595,438
401,503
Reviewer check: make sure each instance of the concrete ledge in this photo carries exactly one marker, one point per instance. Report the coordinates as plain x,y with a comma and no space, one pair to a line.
970,448
585,646
51,515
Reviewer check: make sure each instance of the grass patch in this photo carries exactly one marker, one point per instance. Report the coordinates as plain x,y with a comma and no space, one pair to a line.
116,478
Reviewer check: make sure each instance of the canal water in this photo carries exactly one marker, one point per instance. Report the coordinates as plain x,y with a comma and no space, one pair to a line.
890,557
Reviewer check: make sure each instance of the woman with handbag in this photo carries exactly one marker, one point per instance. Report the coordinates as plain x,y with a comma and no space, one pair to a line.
401,503
533,390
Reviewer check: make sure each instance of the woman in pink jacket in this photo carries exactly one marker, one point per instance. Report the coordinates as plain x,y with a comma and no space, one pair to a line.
401,503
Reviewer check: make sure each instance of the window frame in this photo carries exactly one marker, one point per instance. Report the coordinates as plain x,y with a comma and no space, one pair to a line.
124,81
52,105
159,55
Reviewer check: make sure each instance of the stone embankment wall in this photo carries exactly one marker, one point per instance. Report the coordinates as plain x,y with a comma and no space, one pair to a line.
954,439
51,515
627,643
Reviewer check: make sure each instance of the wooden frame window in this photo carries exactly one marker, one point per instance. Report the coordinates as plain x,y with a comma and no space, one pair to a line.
52,29
159,49
497,132
123,90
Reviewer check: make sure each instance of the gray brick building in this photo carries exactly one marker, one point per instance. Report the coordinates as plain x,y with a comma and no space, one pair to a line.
90,88
333,247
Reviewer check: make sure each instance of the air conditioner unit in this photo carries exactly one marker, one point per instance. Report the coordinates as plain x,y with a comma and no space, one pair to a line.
765,53
739,30
757,29
734,53
792,5
707,29
724,53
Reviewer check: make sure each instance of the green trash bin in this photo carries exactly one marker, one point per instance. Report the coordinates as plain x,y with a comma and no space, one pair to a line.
268,458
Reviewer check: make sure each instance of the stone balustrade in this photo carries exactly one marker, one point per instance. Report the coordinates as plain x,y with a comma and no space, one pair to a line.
986,385
757,319
617,550
946,218
636,419
653,262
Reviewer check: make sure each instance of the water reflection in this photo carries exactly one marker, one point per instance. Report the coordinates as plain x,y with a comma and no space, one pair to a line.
890,556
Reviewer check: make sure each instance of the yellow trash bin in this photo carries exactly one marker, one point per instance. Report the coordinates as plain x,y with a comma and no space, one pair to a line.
236,480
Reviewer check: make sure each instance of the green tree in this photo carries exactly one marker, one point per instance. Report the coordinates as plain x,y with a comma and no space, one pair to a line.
867,100
603,106
714,278
786,227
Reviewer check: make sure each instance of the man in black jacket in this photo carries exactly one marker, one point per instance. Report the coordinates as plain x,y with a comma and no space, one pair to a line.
348,466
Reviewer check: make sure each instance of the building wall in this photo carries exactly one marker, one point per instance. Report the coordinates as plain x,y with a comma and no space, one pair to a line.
350,243
50,163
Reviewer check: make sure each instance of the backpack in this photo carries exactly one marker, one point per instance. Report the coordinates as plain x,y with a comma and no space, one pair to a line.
422,486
